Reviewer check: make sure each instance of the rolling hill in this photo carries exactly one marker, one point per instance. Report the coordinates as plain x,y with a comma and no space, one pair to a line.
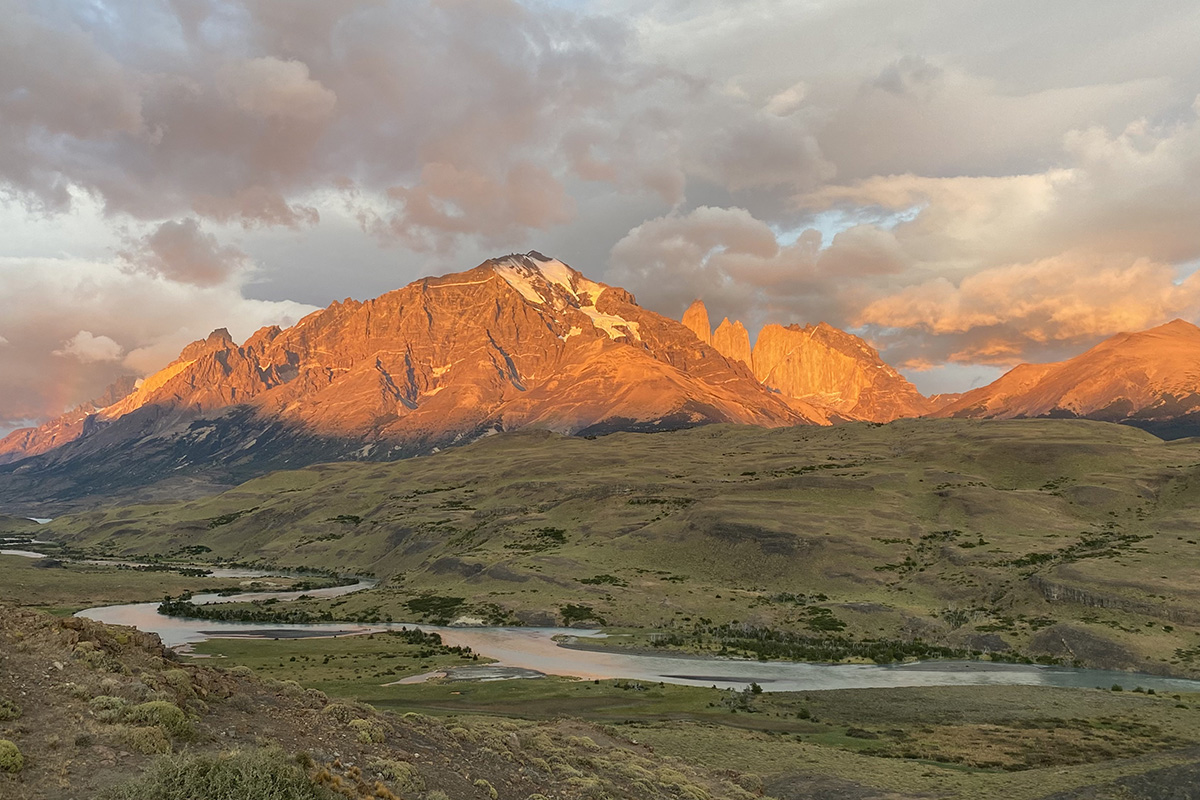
1073,540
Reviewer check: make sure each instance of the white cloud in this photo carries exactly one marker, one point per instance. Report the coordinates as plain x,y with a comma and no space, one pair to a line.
788,101
85,323
89,348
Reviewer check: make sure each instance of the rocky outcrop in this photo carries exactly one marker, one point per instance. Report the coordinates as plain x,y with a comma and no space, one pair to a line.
829,367
818,367
695,319
1150,379
733,341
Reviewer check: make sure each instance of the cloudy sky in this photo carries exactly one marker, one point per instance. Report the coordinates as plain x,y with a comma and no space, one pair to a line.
966,183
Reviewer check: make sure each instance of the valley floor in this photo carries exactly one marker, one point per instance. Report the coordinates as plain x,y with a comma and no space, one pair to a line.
564,738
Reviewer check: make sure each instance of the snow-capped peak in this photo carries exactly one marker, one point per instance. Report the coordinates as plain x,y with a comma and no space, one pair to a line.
526,272
535,276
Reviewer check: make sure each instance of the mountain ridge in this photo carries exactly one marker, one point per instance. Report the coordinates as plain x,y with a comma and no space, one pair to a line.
1148,378
818,365
519,341
525,341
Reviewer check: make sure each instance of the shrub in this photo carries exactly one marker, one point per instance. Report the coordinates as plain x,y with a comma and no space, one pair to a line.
463,734
572,613
260,774
344,712
168,716
9,710
290,689
11,759
583,742
401,773
487,788
179,680
107,708
368,731
147,739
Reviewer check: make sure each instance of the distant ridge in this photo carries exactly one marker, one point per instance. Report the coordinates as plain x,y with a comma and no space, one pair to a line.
1150,379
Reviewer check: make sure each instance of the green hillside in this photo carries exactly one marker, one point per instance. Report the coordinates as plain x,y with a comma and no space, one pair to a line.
1071,540
17,526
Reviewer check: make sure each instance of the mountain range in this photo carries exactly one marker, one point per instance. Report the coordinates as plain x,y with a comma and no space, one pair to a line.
525,341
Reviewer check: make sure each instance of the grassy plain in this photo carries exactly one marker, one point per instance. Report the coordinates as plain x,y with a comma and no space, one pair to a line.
71,587
978,741
1067,540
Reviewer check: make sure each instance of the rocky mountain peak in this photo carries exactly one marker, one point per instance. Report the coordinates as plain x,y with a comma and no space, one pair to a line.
695,319
831,367
732,340
521,341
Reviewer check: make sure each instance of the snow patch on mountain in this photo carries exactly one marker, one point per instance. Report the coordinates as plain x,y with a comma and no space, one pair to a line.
614,326
534,276
521,280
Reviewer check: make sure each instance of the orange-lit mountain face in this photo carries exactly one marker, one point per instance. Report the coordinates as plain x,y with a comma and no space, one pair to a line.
522,342
1150,379
818,365
518,342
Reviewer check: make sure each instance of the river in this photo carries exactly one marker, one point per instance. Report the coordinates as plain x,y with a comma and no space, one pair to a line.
539,650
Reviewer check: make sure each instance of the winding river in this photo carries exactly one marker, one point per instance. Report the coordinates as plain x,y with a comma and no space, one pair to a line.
541,650
538,650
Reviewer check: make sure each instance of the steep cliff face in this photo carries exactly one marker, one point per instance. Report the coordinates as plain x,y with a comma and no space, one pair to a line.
822,368
695,319
521,341
732,340
832,368
1150,378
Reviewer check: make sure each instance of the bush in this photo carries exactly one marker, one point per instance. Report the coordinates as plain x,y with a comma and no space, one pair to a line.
368,731
344,712
9,710
260,774
11,759
168,716
148,740
179,680
403,774
487,788
107,708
